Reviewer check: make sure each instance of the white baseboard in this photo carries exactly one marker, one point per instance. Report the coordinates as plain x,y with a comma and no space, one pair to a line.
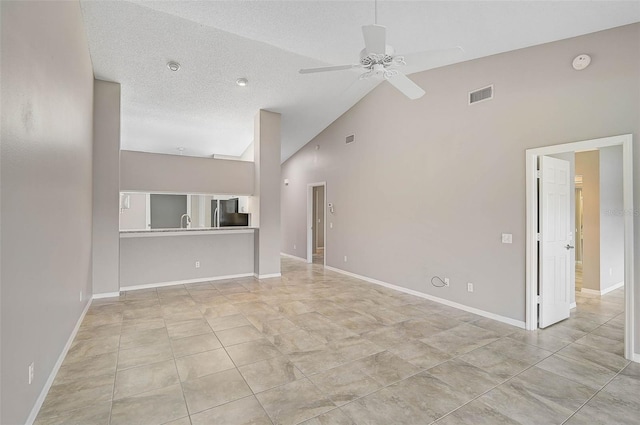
636,357
52,376
603,292
183,282
572,306
613,288
293,257
105,295
453,304
266,276
590,291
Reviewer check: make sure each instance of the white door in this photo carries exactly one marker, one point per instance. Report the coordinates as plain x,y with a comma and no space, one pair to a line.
555,241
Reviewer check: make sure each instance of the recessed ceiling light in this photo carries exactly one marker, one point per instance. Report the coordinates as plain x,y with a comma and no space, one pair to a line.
173,66
242,82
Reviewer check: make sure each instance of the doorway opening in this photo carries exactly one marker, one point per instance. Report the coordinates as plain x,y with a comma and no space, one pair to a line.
547,262
316,223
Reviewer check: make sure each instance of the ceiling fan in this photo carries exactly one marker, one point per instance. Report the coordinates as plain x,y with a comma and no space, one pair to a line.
378,59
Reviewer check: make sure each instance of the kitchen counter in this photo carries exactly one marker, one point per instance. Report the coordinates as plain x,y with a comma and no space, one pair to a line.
196,231
163,257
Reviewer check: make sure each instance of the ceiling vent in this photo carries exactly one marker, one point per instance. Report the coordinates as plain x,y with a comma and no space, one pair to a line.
350,139
480,95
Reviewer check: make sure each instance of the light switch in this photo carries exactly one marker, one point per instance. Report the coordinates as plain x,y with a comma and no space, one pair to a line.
507,238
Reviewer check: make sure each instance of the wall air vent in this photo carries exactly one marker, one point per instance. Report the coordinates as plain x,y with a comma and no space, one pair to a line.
350,139
485,93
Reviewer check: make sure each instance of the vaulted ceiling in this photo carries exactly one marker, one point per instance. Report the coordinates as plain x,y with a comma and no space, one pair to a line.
202,110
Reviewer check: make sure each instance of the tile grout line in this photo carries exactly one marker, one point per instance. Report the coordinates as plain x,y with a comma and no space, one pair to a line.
535,364
253,394
596,393
115,374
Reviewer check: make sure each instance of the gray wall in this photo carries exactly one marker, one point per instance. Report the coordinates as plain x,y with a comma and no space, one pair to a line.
456,173
135,218
147,260
588,166
106,185
611,218
149,172
47,104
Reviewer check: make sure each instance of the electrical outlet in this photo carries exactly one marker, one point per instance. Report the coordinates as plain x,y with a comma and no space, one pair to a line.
446,281
294,246
345,258
197,264
470,287
330,225
81,296
507,238
31,368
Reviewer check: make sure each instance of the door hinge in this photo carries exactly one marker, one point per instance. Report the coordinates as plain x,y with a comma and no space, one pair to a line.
538,299
538,174
538,236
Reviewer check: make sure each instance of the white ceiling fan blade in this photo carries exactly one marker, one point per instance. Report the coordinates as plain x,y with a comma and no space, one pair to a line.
375,38
406,86
327,68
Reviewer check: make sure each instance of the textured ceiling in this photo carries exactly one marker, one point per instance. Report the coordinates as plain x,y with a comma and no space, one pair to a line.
201,109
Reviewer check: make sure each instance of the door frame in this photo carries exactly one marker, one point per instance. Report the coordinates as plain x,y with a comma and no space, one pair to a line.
310,222
626,141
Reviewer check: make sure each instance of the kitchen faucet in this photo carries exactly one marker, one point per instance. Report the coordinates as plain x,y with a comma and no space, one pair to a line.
188,221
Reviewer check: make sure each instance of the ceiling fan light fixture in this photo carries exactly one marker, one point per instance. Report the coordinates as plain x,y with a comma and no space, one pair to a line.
389,73
173,66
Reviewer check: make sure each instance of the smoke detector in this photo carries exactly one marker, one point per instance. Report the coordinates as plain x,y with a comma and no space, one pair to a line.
581,62
242,82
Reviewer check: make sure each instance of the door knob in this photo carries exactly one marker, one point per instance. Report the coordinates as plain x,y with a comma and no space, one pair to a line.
569,247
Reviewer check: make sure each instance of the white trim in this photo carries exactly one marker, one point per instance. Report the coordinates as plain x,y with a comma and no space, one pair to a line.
293,257
201,210
310,223
147,206
636,357
629,256
47,386
105,295
503,319
266,276
606,291
590,291
573,305
183,282
626,141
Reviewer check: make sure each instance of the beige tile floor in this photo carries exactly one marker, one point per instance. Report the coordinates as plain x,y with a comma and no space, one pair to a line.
319,348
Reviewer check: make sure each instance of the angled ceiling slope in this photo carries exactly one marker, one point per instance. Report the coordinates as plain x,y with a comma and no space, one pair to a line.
201,109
